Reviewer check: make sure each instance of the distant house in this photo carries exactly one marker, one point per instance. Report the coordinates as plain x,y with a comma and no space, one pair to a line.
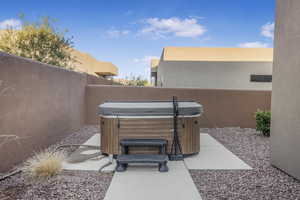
154,65
88,64
214,68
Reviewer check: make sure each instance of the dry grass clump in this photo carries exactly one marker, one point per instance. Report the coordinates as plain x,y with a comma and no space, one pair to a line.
44,164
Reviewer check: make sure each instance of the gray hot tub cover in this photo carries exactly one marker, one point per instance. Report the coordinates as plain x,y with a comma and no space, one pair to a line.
155,108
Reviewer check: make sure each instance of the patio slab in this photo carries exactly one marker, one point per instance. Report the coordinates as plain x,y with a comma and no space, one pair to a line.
94,140
208,141
213,155
91,164
147,183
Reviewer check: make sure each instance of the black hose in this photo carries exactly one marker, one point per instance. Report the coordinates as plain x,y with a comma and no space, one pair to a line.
10,174
105,165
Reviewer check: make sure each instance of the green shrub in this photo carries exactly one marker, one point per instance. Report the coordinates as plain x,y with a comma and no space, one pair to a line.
38,41
263,121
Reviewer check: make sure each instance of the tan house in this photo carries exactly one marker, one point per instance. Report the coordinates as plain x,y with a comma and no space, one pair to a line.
214,68
88,64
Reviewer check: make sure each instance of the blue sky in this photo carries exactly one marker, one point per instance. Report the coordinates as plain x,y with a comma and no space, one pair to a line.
130,32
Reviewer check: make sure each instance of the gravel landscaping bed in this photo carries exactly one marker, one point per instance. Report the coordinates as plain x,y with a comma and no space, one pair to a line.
67,185
263,182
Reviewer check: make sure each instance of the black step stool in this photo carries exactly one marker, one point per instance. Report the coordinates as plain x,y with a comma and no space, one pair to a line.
125,158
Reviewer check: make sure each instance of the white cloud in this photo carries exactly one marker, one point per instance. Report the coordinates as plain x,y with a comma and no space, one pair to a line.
114,33
267,30
253,45
188,27
10,23
145,60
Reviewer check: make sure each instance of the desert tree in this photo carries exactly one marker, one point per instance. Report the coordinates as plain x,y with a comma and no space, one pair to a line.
39,41
137,81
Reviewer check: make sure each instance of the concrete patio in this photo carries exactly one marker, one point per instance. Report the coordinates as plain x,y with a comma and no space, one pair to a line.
176,184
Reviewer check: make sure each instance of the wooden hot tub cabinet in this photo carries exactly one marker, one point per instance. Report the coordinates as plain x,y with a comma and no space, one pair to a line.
116,128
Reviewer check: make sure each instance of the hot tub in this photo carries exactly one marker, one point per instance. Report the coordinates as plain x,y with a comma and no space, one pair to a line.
149,120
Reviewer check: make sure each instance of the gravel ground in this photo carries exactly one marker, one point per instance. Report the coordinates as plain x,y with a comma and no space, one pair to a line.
263,182
67,185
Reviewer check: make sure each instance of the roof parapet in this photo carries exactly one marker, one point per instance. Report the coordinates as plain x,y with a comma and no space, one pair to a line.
217,54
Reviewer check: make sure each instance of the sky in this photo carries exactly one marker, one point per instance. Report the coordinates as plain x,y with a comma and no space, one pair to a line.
129,33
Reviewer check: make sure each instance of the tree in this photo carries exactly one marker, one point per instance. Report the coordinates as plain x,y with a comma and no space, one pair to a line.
137,81
132,81
38,41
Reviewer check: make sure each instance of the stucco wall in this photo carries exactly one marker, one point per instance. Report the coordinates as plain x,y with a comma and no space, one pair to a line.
285,125
222,107
212,75
39,104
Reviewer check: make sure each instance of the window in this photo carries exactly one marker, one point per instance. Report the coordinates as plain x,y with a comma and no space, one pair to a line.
260,78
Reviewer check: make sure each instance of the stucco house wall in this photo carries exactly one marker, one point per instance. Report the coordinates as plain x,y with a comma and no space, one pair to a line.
212,75
285,124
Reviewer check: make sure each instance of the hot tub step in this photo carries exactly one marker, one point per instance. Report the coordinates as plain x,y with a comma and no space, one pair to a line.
124,159
142,158
143,142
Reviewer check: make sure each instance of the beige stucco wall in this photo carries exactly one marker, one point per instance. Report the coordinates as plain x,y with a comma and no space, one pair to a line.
285,125
39,103
212,75
222,108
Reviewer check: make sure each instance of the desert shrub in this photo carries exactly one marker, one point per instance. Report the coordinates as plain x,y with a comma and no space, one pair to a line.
263,121
138,81
44,164
134,81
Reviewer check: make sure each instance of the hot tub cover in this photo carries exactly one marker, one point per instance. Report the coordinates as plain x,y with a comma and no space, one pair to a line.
155,108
